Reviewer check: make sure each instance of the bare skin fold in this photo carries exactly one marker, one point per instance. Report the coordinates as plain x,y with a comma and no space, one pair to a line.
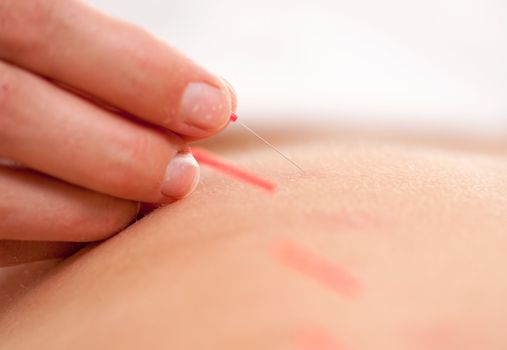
420,226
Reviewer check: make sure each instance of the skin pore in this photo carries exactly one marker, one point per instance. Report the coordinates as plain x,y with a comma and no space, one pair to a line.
417,230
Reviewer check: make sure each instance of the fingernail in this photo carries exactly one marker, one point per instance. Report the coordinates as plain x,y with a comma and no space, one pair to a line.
181,177
205,106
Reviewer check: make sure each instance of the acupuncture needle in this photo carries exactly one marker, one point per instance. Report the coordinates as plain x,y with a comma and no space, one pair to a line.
234,119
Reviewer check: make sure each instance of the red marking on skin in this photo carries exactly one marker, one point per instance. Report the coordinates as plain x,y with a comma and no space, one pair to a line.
310,265
234,117
318,339
211,160
343,219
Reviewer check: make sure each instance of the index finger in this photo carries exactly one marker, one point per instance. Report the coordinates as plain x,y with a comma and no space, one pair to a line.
115,62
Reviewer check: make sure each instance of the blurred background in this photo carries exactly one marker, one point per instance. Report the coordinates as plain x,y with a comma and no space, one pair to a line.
432,64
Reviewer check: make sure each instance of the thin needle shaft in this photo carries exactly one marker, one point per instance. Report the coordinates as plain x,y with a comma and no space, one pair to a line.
273,147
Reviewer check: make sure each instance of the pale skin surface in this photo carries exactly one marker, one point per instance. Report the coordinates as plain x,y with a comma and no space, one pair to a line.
422,228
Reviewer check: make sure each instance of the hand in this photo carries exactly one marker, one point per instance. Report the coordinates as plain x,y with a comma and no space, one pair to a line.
97,112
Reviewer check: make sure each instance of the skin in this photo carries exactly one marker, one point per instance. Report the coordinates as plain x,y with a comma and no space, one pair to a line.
94,113
420,227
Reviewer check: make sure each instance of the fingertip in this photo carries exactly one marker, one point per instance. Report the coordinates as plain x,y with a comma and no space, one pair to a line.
205,106
181,177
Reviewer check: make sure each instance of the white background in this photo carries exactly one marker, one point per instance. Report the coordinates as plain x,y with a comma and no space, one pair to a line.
428,63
